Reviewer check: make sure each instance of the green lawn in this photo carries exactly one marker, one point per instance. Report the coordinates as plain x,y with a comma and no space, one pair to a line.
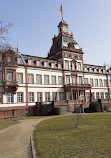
6,123
58,137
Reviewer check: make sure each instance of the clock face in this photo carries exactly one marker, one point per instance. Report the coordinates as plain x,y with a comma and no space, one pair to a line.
76,46
65,29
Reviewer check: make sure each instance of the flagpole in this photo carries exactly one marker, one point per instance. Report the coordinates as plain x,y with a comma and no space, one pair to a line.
62,11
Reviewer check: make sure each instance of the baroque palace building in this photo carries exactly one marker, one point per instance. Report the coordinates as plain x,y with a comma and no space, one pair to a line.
61,76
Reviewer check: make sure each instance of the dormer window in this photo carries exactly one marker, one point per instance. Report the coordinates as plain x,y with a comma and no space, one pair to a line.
52,65
45,64
37,63
66,55
29,62
59,66
9,59
19,60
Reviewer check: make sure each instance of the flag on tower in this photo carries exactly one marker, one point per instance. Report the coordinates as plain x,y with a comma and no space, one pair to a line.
61,11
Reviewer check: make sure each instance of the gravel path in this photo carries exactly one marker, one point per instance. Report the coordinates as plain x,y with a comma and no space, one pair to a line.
15,140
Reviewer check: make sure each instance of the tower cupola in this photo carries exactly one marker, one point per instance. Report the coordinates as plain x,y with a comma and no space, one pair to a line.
63,27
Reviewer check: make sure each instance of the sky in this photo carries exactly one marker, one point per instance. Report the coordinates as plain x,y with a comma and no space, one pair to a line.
35,23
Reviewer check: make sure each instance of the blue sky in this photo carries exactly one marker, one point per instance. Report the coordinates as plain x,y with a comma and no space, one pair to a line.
36,23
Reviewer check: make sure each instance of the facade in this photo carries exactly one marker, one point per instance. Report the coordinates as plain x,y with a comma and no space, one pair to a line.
61,76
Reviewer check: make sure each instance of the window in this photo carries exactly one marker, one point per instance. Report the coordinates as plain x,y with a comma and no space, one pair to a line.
96,82
9,59
105,83
20,97
68,96
87,95
60,80
19,60
101,83
86,80
38,63
66,55
53,79
97,95
47,96
79,67
1,98
102,95
54,96
10,76
74,80
92,95
91,82
80,80
46,79
20,78
39,79
31,97
10,98
30,78
61,95
45,64
82,95
67,80
1,77
39,97
52,65
30,62
66,65
106,95
73,66
59,66
110,83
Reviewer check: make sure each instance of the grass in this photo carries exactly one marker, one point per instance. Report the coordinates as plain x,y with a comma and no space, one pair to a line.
58,137
7,123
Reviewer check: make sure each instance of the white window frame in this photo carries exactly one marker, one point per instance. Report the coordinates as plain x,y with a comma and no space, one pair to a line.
30,78
10,76
39,79
46,79
60,80
20,77
20,97
47,96
10,97
39,97
31,97
61,96
53,80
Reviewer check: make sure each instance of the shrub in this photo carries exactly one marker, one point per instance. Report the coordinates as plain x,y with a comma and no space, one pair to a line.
87,110
94,107
55,111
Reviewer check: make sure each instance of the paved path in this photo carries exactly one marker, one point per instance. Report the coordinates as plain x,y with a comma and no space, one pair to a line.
15,140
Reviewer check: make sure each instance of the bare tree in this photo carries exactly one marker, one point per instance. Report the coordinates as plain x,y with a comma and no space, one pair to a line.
4,30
